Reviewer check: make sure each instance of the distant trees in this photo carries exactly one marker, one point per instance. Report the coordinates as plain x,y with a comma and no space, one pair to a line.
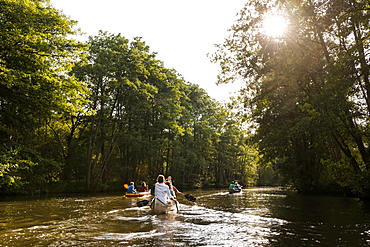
92,116
147,120
307,91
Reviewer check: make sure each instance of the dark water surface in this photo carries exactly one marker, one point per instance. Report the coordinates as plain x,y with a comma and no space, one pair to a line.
256,217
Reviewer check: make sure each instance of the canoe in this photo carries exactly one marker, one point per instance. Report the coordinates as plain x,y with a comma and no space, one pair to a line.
235,191
139,194
158,207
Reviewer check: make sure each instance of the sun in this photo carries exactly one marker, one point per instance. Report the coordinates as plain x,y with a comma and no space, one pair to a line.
274,25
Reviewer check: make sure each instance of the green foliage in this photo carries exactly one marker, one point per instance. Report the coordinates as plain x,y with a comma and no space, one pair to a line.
24,171
7,166
34,48
267,176
149,121
35,91
306,90
104,113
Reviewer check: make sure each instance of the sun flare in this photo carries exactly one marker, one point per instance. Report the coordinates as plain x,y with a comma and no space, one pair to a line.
274,25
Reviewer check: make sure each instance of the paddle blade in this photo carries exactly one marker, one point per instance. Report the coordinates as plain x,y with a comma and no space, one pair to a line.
126,186
142,203
190,197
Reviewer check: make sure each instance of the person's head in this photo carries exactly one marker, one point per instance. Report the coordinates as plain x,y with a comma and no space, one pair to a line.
169,178
160,179
169,184
143,184
132,183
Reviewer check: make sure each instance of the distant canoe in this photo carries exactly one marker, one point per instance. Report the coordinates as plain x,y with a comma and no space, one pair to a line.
235,191
139,194
158,207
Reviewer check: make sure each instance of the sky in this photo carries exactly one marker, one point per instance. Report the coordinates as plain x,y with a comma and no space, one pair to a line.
182,33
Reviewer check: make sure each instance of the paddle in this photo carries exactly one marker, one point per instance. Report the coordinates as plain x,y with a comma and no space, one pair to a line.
126,186
177,207
187,196
190,197
143,203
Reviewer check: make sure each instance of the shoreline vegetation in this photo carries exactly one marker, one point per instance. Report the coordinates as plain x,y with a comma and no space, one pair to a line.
90,116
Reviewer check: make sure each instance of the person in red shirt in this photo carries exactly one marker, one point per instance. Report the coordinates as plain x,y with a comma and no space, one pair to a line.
143,187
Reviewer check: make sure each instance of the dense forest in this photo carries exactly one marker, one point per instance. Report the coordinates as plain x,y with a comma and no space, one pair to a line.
90,116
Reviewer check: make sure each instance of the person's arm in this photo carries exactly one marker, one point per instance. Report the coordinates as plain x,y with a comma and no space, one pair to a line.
177,191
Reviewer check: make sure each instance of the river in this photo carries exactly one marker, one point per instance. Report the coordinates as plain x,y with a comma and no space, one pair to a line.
255,217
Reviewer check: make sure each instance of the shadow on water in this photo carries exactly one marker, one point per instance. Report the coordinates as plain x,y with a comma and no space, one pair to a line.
256,217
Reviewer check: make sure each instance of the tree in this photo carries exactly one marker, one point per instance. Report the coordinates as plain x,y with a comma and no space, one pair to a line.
136,101
35,54
306,90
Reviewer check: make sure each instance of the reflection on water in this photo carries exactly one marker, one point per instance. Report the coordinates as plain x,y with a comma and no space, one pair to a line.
256,217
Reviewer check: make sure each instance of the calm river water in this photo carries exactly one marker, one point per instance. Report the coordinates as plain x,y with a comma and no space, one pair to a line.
256,217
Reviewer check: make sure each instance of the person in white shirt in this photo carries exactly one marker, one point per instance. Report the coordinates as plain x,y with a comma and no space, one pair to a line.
162,191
